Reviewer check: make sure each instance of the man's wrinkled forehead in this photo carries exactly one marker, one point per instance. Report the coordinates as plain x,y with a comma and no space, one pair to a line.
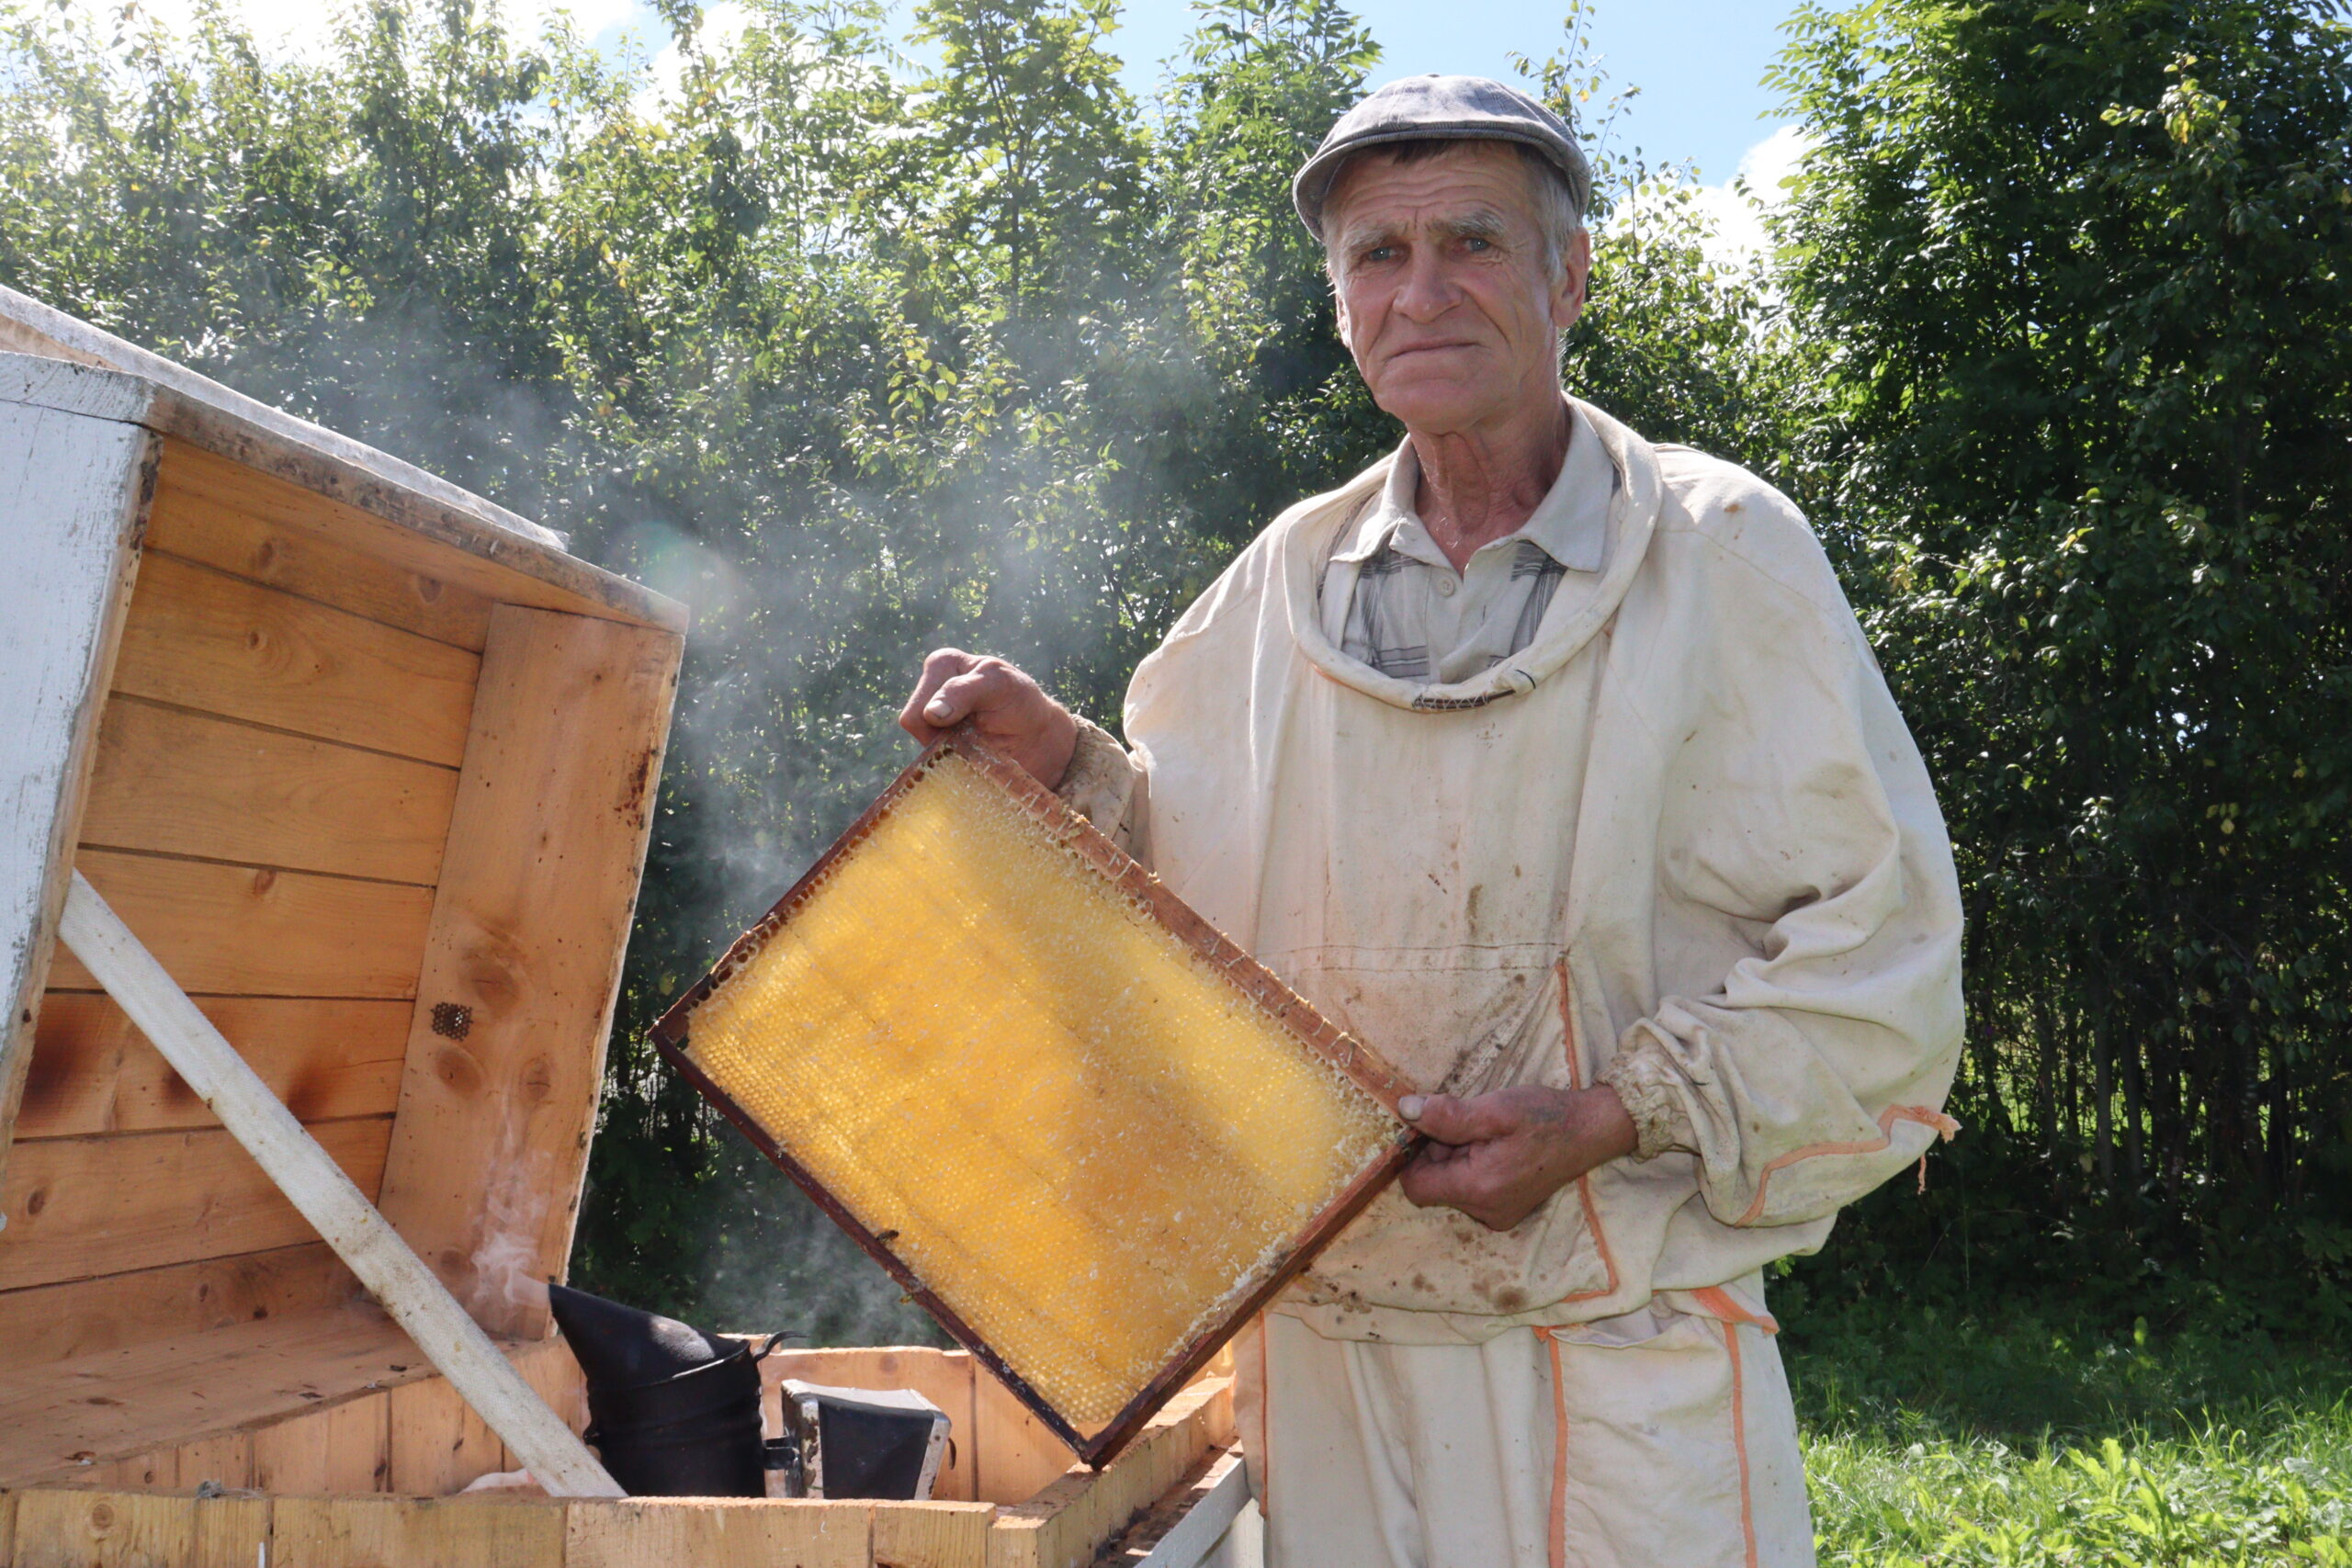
1481,190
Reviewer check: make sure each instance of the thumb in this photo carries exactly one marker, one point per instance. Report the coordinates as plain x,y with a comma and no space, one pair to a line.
1449,1120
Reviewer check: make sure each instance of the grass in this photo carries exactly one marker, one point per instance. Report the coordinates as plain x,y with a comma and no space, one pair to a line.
2022,1445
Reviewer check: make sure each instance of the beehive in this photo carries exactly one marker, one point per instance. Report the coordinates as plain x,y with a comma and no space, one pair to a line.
369,764
1089,1133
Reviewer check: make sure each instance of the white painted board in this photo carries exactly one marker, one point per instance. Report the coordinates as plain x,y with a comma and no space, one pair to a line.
73,493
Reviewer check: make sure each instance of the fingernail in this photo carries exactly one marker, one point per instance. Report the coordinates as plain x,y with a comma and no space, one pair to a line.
1410,1107
938,708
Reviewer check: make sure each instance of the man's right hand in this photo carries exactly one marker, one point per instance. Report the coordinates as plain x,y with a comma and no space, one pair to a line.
1008,710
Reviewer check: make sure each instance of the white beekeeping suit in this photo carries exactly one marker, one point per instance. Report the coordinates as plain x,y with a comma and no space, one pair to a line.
1679,844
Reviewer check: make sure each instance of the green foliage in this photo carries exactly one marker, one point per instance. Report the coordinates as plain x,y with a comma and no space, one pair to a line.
2008,1441
2072,280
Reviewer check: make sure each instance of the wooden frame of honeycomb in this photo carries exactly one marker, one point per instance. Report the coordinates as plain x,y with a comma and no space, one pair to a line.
1145,1067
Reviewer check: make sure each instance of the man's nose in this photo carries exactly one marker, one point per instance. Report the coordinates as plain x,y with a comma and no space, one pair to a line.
1428,292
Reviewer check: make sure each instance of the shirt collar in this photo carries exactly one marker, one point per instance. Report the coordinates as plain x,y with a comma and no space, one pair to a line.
1570,525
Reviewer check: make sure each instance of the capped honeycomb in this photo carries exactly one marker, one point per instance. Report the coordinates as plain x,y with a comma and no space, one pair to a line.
1069,1122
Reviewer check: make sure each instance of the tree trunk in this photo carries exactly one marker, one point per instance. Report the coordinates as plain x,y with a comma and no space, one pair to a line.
2103,1095
2134,1105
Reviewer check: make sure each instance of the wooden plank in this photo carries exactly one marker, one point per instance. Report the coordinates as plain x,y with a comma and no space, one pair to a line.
1018,1455
438,1444
327,1058
226,1461
399,1532
1184,1527
73,501
1068,1523
548,1367
932,1534
501,569
269,537
170,782
529,925
7,1529
82,1207
718,1532
199,639
943,1377
300,1167
135,1529
85,1318
57,1421
343,1448
233,931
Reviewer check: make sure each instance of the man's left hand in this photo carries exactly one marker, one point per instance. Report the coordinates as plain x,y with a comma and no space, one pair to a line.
1499,1158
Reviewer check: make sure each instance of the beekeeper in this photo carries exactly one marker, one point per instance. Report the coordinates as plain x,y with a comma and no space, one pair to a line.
1552,763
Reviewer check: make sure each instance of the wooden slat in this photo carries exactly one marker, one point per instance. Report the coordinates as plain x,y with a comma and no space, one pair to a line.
226,1461
943,1377
553,581
232,930
1068,1523
72,497
170,782
718,1532
396,1532
85,1317
261,533
93,1072
529,925
82,1207
134,1529
343,1448
56,1421
437,1444
548,1367
1019,1455
932,1535
199,639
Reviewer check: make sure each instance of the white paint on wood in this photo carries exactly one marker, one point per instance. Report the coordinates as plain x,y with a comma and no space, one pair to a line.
1194,1539
67,387
452,1341
73,501
1244,1543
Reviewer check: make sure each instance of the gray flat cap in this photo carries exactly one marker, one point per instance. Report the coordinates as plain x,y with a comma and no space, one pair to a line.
1465,108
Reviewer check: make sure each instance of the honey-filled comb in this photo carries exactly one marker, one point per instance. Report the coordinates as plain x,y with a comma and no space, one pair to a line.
1087,1133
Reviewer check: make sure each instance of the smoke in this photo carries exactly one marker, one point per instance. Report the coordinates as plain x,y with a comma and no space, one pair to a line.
506,1261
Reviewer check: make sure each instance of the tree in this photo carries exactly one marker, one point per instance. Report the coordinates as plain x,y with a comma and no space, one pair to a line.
2074,278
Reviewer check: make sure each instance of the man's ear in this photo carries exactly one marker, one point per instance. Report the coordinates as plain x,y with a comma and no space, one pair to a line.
1576,272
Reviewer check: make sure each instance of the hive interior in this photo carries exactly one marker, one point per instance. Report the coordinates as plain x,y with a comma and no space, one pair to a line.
1085,1139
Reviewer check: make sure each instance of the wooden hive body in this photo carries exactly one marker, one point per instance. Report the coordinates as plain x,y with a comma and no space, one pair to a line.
369,764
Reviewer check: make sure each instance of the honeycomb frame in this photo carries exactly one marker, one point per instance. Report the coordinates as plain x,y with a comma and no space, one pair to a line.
1058,826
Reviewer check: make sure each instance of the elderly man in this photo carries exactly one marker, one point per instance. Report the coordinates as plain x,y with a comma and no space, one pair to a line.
1553,764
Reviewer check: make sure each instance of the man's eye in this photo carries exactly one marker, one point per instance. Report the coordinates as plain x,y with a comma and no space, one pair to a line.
1381,253
1476,244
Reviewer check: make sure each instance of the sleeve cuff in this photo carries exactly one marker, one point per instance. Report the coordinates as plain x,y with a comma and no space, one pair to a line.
1651,1090
1100,783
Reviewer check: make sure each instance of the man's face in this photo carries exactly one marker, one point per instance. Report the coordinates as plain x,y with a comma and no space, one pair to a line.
1444,297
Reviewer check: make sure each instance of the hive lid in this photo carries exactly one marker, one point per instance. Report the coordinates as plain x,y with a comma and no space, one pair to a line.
1087,1133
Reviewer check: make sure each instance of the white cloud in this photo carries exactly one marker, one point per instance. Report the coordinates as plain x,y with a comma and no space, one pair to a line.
723,26
1763,169
1737,207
